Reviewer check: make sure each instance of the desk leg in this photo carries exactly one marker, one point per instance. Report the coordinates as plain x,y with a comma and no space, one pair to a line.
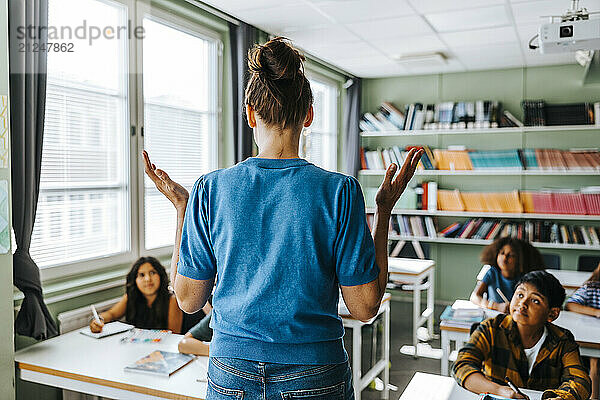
386,352
445,353
431,302
416,313
356,360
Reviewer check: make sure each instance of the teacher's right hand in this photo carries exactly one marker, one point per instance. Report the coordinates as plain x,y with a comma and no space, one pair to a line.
391,189
177,194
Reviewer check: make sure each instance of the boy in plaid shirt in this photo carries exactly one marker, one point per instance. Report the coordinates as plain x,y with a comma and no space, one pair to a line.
525,347
586,300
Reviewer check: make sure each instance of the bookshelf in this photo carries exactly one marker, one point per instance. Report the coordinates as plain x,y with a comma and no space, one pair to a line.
468,214
539,245
487,172
448,251
488,131
457,260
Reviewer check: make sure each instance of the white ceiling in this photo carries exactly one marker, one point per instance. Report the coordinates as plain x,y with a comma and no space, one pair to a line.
365,37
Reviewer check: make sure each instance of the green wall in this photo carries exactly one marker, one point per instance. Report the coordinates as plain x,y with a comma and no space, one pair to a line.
457,265
7,376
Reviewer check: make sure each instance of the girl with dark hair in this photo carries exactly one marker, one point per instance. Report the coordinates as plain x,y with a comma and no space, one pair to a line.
147,303
283,236
586,300
505,261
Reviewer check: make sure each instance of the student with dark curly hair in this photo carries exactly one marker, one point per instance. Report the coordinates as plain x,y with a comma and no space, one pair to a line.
505,260
283,236
147,303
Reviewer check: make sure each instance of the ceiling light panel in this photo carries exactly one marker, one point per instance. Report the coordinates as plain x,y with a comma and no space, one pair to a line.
480,37
477,18
392,27
434,6
364,10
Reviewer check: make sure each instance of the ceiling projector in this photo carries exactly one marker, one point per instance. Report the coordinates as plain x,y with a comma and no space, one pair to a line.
570,32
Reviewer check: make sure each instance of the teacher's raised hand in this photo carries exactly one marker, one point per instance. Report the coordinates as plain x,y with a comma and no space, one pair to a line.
177,194
391,188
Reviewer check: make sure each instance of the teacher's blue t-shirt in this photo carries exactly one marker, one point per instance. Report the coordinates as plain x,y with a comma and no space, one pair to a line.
280,235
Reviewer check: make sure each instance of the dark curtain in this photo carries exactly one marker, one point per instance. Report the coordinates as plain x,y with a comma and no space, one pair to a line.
27,106
351,119
242,37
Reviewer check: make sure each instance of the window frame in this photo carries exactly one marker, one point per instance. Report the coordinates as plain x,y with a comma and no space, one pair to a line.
196,29
316,75
63,270
136,11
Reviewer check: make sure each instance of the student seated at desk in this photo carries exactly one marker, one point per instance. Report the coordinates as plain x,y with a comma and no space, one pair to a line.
525,347
147,303
586,300
506,260
193,341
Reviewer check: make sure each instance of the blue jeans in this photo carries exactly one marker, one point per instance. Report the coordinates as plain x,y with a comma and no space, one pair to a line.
233,378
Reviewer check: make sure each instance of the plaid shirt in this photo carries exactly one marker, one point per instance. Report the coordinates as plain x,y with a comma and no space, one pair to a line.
587,295
497,345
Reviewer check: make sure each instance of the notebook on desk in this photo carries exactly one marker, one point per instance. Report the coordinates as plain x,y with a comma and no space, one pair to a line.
163,363
111,328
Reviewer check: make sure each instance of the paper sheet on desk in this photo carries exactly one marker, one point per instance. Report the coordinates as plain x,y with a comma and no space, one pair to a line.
111,328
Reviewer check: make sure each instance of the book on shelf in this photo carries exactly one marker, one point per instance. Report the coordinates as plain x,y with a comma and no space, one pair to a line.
547,201
539,113
510,159
445,115
409,225
531,230
161,363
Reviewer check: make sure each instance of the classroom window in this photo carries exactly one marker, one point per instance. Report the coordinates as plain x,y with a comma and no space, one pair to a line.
82,210
180,102
318,143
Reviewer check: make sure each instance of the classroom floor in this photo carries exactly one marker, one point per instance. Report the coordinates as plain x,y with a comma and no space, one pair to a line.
403,366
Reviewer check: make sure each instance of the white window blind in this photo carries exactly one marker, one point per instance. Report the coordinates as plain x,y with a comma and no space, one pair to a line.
180,116
83,202
318,143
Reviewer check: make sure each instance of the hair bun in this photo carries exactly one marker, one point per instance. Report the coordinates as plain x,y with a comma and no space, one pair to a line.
275,60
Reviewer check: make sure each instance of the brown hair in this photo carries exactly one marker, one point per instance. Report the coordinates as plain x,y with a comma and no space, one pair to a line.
528,257
278,89
595,275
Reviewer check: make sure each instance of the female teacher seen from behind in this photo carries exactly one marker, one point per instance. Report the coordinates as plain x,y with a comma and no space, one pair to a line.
281,235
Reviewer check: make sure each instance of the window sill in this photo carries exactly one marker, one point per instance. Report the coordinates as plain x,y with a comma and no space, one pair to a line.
55,292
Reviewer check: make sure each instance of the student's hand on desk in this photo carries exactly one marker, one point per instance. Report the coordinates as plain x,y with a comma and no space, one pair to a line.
177,194
96,326
507,392
390,190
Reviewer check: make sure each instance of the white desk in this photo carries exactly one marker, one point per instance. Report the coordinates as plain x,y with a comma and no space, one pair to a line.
414,271
584,328
360,380
83,364
571,280
435,387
